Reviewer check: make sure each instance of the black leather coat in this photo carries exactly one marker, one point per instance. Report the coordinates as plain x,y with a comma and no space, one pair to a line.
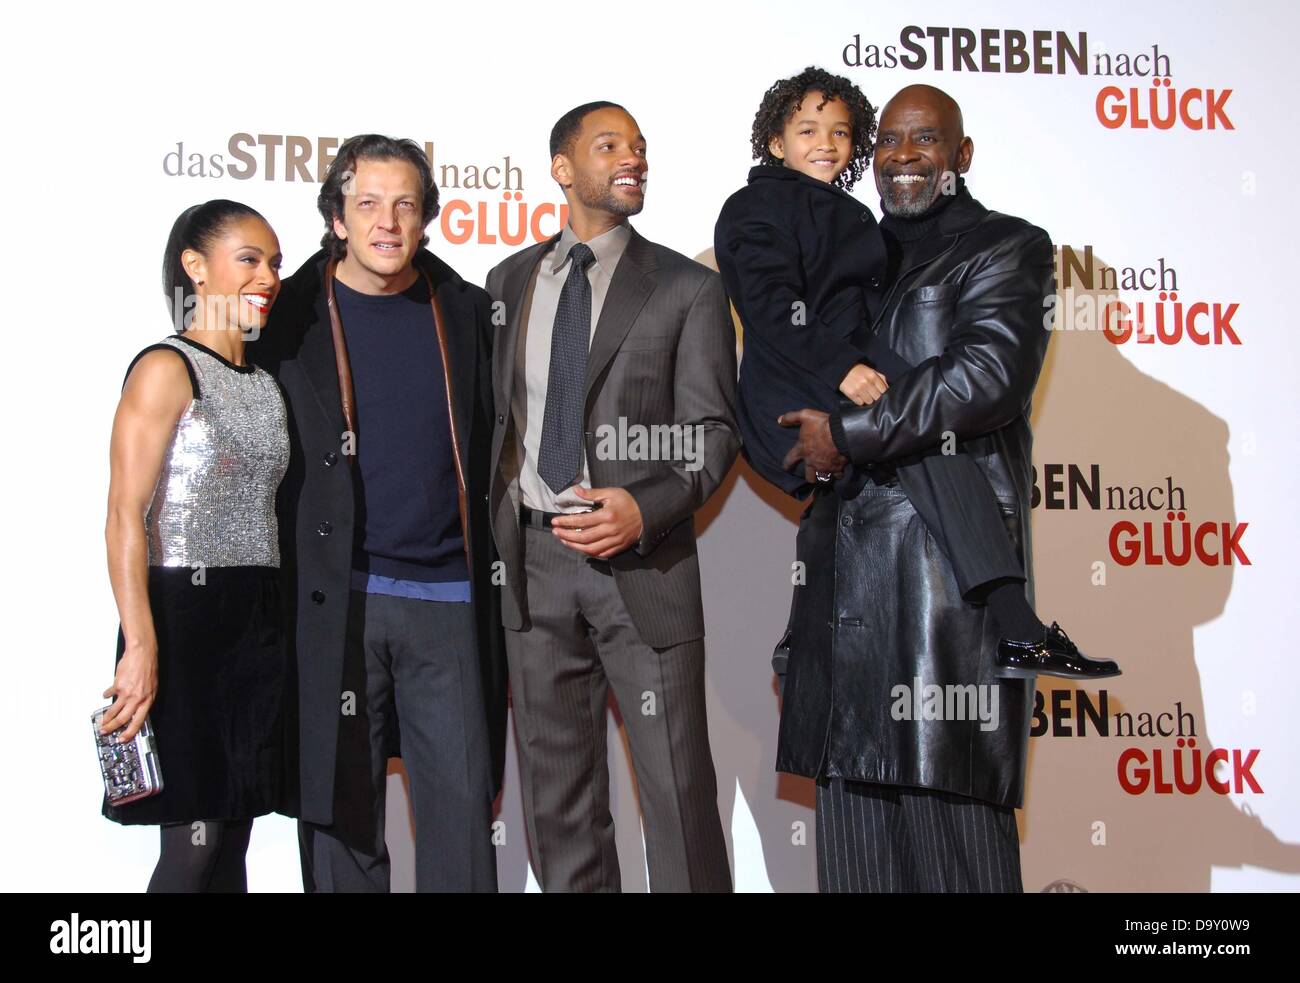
880,618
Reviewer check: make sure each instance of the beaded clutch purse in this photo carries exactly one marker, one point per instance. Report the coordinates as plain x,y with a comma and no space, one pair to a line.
131,770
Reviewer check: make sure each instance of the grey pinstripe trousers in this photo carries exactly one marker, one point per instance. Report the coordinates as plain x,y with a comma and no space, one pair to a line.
580,642
882,838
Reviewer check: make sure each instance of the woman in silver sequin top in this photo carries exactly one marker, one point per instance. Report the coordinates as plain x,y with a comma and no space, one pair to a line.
199,447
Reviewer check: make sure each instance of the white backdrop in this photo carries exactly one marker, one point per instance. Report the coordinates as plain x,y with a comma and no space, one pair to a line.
103,103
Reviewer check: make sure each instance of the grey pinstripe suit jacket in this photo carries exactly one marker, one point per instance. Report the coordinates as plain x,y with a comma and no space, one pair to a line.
663,352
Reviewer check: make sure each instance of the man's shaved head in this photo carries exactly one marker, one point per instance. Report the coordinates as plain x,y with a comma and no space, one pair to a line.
929,97
921,147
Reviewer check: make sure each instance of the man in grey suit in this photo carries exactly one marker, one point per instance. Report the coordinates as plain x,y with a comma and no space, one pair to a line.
614,378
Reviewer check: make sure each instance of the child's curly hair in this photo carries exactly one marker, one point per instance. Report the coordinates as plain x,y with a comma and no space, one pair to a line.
784,97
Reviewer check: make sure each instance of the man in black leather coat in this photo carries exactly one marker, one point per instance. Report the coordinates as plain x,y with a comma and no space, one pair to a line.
891,700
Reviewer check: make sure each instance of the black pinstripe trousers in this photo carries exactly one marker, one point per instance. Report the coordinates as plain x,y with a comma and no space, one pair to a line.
882,838
581,642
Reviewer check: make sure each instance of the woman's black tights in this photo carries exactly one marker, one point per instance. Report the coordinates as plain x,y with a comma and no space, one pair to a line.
202,857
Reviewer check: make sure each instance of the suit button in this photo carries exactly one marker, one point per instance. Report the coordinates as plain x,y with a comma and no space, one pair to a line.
501,418
318,597
847,520
325,528
875,282
331,458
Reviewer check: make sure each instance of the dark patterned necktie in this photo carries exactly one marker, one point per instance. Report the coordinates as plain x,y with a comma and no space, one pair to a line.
560,454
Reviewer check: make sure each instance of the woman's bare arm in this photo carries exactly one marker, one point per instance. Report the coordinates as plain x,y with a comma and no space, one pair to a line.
157,392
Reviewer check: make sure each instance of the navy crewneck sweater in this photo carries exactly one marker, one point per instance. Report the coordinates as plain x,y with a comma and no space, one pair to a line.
408,513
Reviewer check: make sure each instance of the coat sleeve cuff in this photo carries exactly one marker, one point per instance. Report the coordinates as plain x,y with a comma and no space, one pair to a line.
837,433
839,364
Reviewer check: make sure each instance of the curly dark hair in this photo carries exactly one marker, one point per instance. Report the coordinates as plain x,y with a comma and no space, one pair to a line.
784,97
371,146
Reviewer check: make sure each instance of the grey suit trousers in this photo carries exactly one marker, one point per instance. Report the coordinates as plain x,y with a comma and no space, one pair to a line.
580,642
413,671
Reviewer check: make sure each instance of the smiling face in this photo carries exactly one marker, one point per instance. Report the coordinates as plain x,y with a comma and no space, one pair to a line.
919,139
817,139
381,222
606,169
238,279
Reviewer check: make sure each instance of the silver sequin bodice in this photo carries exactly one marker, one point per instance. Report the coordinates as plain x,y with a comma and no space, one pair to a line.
215,500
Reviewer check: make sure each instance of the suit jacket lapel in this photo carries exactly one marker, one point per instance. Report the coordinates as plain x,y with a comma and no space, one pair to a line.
632,284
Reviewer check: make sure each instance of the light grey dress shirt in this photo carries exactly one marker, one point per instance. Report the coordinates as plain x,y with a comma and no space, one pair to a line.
533,359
